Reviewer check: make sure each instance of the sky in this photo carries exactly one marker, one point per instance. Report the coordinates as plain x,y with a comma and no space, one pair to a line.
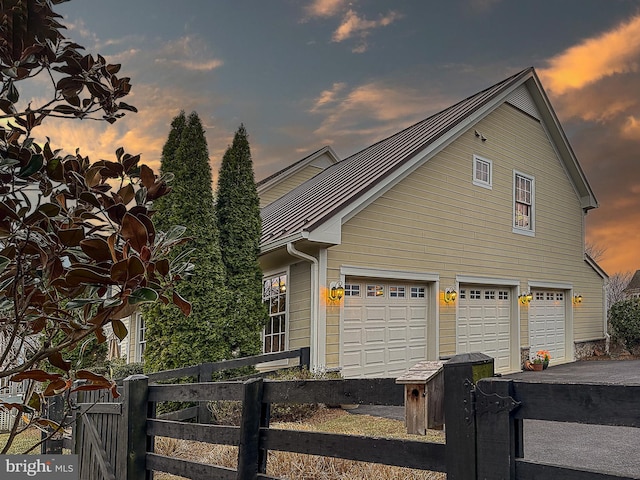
301,74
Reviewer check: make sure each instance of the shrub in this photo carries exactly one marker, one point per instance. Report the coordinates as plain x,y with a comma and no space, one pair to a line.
229,413
624,318
119,368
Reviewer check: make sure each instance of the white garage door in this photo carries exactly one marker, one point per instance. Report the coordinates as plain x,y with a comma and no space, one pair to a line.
384,328
547,323
484,323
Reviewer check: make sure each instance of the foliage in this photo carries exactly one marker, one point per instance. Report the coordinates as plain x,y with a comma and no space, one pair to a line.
624,318
225,412
78,249
238,211
119,368
616,285
173,341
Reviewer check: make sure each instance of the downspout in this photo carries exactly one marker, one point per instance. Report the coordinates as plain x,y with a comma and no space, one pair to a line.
315,301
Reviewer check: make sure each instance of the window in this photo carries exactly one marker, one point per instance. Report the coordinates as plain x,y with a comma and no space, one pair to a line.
489,294
375,291
396,291
482,174
474,295
503,295
417,292
351,290
142,338
274,296
523,203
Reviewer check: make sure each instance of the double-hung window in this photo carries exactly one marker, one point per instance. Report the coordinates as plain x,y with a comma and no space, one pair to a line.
482,172
523,205
274,296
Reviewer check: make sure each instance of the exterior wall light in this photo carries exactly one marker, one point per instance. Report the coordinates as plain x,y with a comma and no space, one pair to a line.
336,291
577,299
525,298
450,295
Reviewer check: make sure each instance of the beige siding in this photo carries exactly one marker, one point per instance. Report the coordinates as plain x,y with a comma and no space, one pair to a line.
299,305
437,221
288,184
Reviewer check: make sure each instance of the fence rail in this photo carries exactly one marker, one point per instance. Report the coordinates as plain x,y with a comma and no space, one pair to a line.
484,420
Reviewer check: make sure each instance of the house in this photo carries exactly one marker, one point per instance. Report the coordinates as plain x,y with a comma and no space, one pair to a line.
461,233
633,289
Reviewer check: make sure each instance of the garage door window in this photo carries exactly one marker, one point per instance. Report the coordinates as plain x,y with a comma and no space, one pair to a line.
274,295
397,291
417,292
375,291
351,290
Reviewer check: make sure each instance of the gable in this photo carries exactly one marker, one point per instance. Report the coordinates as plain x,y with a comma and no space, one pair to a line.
316,209
285,180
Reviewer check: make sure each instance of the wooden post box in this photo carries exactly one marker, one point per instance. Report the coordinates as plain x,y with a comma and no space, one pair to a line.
423,397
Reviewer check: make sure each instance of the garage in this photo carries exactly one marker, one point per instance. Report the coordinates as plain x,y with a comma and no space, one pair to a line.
484,323
547,323
383,328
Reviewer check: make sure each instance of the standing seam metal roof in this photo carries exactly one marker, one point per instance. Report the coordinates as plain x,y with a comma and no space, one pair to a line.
312,202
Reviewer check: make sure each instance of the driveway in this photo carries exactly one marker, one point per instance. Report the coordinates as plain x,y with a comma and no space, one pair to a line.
597,447
602,448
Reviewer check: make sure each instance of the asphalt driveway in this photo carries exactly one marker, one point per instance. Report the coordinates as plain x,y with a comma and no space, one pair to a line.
596,447
601,448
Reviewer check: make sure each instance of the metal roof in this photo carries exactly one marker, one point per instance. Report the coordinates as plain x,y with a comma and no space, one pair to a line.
340,185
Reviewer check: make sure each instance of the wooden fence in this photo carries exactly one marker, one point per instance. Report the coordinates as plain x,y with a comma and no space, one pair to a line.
484,422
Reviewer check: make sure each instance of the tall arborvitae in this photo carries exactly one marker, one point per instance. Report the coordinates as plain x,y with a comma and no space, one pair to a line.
174,340
238,214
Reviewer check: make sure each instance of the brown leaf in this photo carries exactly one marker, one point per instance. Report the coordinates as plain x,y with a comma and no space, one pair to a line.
134,231
85,276
119,328
147,176
97,249
182,304
56,360
127,193
37,375
71,237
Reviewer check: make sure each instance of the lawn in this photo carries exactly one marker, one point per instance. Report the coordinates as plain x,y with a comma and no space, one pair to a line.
22,442
297,466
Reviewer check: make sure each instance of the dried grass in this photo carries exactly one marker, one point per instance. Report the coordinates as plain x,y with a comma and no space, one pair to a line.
295,466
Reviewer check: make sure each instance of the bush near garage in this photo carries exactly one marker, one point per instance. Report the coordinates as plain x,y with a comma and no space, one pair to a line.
624,318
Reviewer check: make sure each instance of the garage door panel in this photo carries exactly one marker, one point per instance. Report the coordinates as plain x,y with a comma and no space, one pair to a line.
547,323
392,332
484,323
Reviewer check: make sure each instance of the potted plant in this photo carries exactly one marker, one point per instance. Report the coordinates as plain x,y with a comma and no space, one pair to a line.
541,361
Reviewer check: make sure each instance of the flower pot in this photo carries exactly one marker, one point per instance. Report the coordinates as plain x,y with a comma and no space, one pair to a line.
537,367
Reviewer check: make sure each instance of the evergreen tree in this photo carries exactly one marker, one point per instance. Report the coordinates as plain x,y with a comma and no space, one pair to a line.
174,340
238,214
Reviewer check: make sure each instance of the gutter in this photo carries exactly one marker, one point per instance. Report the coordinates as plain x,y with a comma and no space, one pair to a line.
315,301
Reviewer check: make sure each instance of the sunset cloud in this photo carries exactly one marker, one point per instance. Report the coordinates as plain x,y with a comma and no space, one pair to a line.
372,110
326,8
355,26
613,52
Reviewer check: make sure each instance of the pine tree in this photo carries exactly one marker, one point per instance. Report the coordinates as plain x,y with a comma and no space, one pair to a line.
174,340
239,223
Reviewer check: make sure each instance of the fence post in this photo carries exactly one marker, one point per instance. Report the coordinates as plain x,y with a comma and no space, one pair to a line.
496,430
249,446
55,413
460,375
133,447
205,374
305,357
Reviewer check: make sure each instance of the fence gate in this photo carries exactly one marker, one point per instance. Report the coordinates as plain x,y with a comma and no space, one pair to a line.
98,423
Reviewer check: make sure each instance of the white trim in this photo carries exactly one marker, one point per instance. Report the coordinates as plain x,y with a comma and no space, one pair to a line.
354,271
479,183
531,230
322,310
487,280
550,285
